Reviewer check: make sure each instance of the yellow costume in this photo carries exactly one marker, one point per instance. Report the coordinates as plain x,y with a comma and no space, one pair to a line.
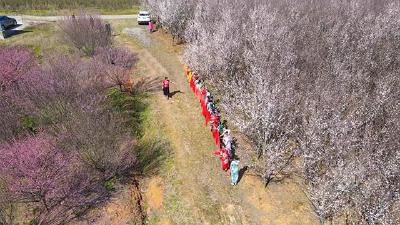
187,69
190,75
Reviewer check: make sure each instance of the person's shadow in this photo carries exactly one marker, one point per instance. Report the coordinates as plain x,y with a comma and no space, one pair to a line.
172,94
241,173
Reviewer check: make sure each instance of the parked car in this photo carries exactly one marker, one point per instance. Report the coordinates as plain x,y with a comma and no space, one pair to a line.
143,17
7,22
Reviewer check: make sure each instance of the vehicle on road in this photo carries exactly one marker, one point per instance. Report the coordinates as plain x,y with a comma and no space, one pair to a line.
7,22
143,17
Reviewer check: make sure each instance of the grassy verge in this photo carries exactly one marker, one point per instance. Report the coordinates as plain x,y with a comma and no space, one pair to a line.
43,39
55,12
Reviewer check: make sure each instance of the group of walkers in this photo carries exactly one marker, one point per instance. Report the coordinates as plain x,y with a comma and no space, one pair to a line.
221,135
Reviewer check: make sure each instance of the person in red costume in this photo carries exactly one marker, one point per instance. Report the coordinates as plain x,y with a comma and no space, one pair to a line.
203,94
215,118
165,86
203,102
193,82
215,134
223,155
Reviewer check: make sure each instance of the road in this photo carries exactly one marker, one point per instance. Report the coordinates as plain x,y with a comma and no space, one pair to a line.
27,20
56,18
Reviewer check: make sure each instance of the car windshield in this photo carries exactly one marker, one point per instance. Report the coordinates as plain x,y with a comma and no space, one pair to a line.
143,14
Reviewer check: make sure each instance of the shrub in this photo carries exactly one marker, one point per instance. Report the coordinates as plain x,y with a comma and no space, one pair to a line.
30,123
34,170
86,143
118,64
14,63
87,32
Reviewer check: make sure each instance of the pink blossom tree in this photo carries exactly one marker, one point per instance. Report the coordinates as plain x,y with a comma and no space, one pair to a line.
62,173
14,63
118,64
35,170
87,32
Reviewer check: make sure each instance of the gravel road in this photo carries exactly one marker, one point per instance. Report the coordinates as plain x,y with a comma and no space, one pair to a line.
27,20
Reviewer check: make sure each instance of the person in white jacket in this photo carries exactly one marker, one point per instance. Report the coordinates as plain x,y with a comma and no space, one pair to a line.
227,140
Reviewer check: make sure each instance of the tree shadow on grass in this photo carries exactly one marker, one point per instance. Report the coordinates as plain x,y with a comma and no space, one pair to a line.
131,107
151,154
146,85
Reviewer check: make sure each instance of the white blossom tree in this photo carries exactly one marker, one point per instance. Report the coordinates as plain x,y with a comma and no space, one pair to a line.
316,82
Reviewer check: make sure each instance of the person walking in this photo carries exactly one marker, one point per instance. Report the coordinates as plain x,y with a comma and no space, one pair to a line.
199,87
223,155
234,172
193,82
215,118
208,111
165,86
150,26
203,102
187,71
215,134
189,76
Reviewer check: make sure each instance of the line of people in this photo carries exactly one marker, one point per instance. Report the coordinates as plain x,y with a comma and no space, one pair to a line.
221,135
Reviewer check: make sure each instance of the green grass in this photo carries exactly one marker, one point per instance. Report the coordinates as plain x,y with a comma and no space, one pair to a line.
45,40
132,107
57,12
126,11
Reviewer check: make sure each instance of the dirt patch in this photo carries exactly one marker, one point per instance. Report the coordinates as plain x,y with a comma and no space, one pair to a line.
155,193
279,203
124,208
118,212
164,222
139,34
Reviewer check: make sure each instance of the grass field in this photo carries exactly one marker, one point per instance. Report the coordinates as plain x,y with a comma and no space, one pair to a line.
44,39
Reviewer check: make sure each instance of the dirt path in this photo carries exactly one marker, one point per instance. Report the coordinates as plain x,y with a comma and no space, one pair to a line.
199,191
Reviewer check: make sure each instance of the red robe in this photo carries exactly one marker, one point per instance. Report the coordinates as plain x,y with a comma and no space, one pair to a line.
215,134
196,91
207,115
215,120
202,97
192,85
198,94
223,155
204,111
